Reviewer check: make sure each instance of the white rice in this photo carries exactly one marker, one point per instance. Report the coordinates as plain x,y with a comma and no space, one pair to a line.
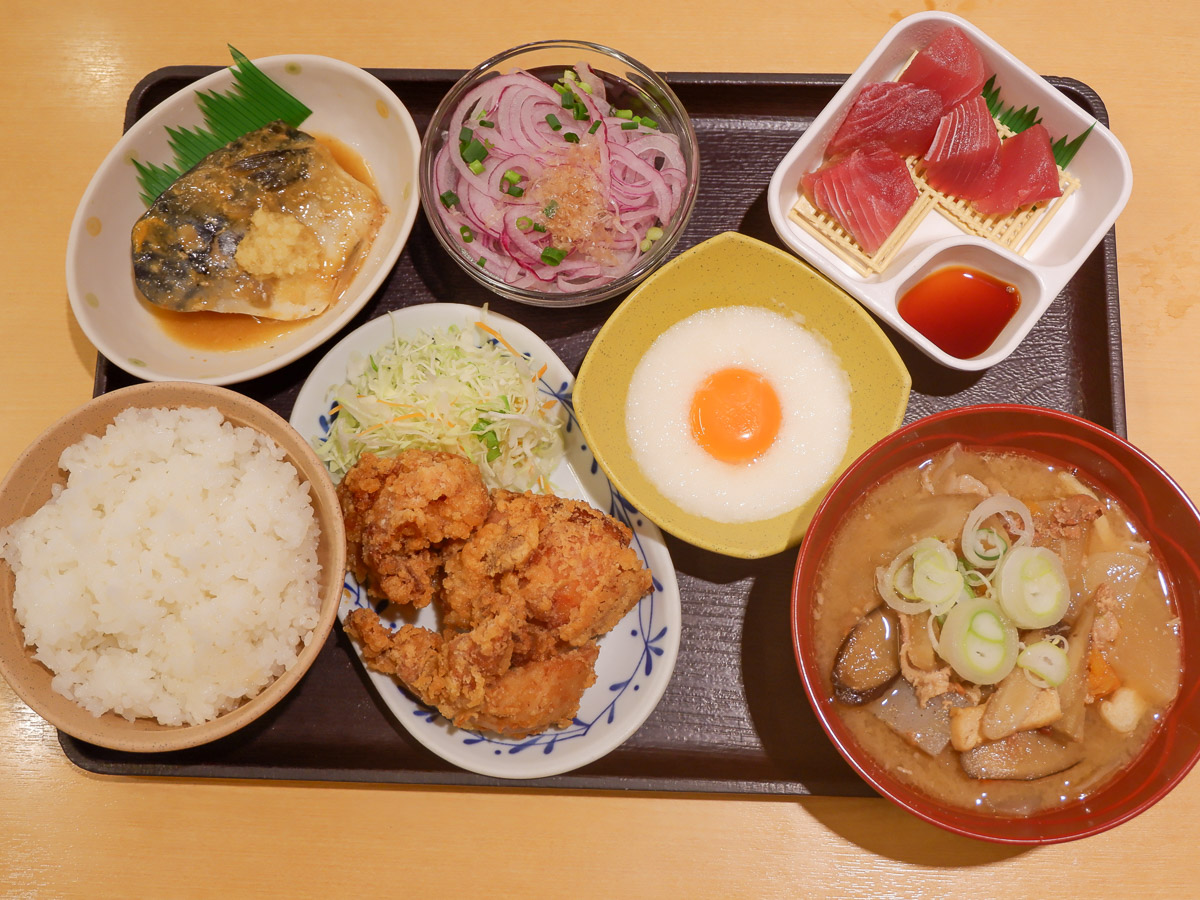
175,574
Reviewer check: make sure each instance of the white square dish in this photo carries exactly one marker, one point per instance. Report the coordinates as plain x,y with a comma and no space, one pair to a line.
1101,167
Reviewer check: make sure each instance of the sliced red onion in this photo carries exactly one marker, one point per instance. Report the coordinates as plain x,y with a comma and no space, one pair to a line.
640,173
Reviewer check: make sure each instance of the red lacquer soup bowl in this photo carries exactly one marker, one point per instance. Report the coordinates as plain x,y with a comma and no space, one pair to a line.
1167,519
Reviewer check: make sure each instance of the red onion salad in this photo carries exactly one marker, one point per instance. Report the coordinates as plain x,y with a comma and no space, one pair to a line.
549,188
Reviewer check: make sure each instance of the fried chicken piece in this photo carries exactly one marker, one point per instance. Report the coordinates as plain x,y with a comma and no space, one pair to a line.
450,673
556,563
412,579
538,695
475,679
399,510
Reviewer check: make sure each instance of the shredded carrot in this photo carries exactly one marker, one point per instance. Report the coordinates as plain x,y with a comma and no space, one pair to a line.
498,336
548,404
393,403
393,421
541,371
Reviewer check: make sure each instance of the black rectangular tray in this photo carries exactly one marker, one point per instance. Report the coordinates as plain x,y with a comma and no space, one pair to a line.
734,718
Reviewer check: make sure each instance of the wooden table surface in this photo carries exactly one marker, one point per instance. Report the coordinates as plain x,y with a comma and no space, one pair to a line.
67,71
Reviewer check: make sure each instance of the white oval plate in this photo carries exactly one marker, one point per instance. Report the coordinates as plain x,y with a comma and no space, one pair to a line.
348,104
636,657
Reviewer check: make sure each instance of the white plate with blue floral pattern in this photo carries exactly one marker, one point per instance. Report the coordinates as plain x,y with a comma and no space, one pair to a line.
636,658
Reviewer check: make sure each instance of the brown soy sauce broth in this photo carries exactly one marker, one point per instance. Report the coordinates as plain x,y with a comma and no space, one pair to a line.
961,309
898,512
225,332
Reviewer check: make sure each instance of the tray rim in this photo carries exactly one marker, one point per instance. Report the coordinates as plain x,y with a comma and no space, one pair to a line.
77,752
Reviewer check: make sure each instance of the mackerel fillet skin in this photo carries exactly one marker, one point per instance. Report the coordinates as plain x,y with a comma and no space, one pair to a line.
269,225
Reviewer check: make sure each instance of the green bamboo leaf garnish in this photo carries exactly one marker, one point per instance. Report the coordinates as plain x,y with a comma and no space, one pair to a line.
1064,152
253,101
1017,120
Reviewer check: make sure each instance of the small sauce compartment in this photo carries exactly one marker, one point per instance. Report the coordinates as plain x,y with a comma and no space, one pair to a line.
957,301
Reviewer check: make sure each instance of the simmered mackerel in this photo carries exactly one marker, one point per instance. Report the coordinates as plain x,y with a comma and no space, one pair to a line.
269,225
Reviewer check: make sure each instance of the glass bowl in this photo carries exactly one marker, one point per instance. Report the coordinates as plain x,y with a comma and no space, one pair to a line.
631,88
1165,516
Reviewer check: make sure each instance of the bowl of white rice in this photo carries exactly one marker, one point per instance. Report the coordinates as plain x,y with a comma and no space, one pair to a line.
171,561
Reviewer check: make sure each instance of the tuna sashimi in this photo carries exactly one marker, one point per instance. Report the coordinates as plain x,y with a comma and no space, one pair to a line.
867,191
950,65
1028,173
902,116
964,157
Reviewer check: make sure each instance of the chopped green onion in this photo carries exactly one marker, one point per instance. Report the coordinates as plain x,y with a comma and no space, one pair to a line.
623,113
571,137
654,233
512,177
466,134
481,262
1045,662
648,122
552,256
569,75
983,548
487,124
515,191
524,223
539,228
645,245
990,544
474,151
475,166
1032,587
628,126
581,113
561,88
551,209
449,199
903,591
936,578
467,234
483,428
553,120
587,88
568,99
595,125
978,642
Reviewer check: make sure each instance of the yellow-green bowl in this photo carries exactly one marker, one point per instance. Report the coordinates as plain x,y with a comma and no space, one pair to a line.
734,270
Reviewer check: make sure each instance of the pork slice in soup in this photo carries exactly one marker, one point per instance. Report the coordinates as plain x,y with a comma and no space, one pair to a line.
994,631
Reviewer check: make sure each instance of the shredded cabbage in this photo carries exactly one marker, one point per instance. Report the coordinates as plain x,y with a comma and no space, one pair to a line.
448,389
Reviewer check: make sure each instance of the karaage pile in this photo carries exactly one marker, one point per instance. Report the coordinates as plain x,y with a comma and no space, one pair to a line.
526,583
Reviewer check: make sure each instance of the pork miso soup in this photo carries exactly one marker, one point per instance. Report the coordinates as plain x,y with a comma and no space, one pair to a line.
995,631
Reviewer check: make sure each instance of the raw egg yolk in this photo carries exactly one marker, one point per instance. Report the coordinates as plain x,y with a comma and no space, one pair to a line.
735,415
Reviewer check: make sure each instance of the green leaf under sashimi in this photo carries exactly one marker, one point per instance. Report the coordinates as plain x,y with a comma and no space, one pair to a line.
1017,120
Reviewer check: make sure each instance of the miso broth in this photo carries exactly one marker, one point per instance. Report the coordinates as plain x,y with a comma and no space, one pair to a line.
1073,747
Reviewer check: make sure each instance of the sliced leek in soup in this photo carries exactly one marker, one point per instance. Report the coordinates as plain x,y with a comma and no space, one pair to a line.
995,631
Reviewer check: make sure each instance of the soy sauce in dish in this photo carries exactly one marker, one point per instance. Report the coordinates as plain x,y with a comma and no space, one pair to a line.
960,309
